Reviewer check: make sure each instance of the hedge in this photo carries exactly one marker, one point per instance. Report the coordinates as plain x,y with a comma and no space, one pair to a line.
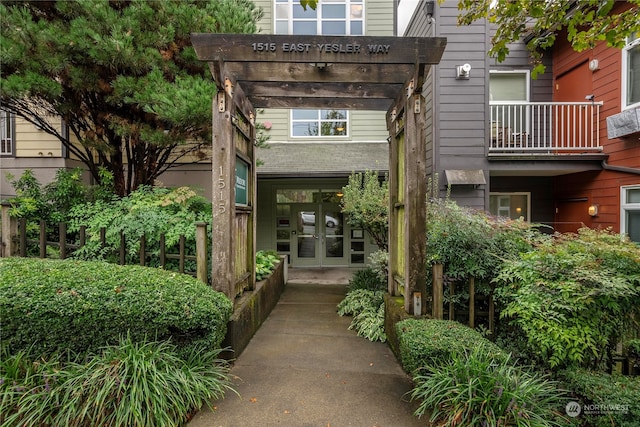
51,306
605,400
430,342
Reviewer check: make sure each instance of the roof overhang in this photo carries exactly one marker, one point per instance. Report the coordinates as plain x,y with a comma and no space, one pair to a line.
334,72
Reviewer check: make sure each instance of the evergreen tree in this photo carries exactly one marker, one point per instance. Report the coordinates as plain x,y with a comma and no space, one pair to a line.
122,74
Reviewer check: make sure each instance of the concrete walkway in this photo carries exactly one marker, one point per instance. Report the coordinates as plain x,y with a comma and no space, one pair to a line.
305,368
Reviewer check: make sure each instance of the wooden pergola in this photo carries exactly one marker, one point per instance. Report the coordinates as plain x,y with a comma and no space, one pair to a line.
328,72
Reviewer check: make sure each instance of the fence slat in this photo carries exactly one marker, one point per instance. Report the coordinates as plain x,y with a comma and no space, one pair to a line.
62,228
123,249
472,302
438,293
201,251
23,237
43,239
143,250
181,254
163,253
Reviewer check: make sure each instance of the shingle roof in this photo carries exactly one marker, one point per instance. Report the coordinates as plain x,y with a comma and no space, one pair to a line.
322,159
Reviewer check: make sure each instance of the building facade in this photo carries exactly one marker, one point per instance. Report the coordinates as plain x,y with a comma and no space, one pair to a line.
543,149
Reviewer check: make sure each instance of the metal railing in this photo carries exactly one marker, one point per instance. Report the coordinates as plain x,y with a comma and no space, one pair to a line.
545,127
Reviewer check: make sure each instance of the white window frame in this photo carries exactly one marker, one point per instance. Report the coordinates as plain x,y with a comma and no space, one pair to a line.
7,136
625,72
319,20
515,193
526,101
626,207
319,120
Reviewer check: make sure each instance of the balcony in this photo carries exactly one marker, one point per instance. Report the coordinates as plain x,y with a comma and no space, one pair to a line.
544,128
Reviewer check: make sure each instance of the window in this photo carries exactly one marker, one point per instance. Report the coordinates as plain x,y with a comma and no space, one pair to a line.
7,133
509,93
510,205
318,123
630,212
631,72
331,17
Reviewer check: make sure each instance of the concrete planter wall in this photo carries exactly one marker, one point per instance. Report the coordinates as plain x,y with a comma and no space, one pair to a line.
252,308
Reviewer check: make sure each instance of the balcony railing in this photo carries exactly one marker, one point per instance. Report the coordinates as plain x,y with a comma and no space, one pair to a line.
545,128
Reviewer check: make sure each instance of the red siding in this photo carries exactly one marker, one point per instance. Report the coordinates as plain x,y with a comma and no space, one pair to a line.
576,191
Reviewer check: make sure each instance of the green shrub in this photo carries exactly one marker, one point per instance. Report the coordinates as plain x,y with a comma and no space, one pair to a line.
266,262
149,212
425,343
369,279
574,297
129,384
359,300
605,400
473,388
367,308
52,305
369,323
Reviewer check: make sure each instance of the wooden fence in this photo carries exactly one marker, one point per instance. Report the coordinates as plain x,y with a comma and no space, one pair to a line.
16,242
480,306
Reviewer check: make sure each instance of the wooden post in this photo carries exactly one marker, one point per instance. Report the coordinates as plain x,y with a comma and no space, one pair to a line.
9,232
472,302
182,253
438,293
452,293
491,312
163,251
43,239
62,228
223,196
23,237
123,248
83,235
201,251
143,250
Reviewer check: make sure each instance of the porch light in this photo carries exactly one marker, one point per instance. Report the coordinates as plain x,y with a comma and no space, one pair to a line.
593,210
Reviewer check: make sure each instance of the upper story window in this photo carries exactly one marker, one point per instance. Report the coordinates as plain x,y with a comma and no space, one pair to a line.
511,86
7,133
318,123
631,72
331,17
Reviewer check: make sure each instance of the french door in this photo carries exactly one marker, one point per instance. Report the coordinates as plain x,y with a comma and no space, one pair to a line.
317,236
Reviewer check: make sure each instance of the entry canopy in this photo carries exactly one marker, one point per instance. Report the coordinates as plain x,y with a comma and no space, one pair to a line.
333,72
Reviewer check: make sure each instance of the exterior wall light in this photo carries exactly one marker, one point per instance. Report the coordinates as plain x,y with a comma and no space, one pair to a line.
593,210
463,71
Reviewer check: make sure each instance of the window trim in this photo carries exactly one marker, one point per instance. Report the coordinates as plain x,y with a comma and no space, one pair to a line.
12,137
514,193
319,121
624,73
527,74
625,207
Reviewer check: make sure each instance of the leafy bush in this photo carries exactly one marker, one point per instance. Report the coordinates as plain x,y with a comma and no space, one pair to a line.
472,388
266,262
149,212
52,305
367,308
470,243
367,278
605,400
366,205
425,343
359,300
574,296
128,384
369,323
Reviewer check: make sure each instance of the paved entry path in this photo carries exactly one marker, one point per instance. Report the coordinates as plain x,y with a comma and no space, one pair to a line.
304,368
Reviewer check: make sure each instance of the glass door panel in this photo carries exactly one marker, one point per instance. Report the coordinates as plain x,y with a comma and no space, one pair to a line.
305,235
332,232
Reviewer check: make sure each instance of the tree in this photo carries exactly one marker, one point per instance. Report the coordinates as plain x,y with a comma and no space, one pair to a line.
121,74
366,204
586,22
